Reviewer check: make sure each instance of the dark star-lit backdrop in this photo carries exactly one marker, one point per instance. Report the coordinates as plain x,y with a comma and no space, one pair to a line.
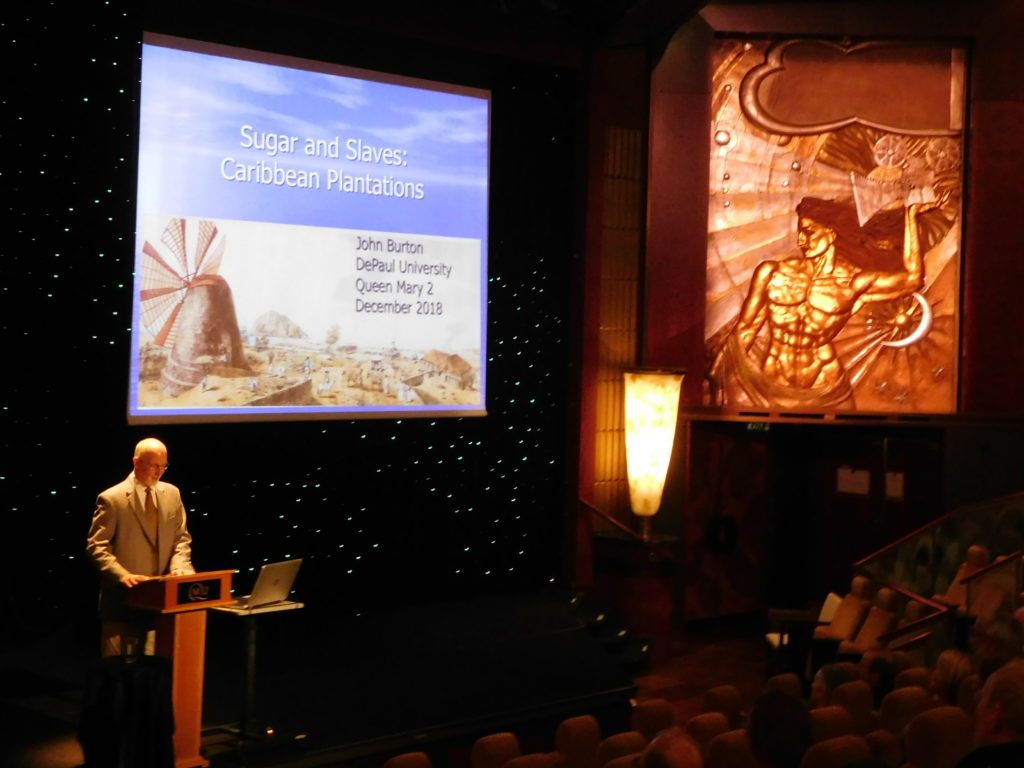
385,512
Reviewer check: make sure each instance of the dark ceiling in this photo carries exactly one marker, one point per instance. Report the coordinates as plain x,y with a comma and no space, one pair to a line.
561,31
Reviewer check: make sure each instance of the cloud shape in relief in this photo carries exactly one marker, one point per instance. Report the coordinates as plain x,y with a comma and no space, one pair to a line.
813,86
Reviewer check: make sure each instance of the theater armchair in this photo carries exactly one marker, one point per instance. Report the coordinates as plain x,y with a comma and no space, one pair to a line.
956,593
881,618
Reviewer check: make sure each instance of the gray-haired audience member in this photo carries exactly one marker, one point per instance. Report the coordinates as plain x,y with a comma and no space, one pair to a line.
999,720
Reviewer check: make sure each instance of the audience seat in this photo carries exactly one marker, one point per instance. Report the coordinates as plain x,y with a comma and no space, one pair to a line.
409,760
956,593
901,705
494,750
620,744
626,761
537,760
788,683
704,727
577,738
898,708
857,699
830,722
730,750
967,694
652,716
952,667
850,613
727,700
881,618
917,676
938,738
836,753
851,667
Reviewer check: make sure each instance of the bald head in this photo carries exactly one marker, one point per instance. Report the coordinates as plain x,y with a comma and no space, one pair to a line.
150,461
1000,713
671,748
149,445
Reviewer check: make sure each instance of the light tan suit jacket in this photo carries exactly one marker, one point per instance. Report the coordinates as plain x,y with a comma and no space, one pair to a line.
119,542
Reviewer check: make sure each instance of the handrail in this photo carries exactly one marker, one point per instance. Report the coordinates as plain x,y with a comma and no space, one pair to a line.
999,581
654,548
967,509
918,630
917,557
940,614
915,625
910,642
1002,561
932,603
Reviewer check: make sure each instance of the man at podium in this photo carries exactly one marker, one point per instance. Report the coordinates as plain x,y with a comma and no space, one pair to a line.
138,531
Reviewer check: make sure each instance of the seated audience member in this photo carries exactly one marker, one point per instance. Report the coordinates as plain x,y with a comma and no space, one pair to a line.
671,748
779,730
999,721
994,641
828,678
951,668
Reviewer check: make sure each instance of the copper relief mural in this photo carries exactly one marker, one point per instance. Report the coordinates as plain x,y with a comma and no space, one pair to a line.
833,274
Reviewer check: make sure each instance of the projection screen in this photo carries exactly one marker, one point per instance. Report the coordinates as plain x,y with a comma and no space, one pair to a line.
311,240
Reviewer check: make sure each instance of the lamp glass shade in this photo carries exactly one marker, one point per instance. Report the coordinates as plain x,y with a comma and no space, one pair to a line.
652,405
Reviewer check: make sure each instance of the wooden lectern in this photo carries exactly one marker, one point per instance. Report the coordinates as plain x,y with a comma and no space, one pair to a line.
180,603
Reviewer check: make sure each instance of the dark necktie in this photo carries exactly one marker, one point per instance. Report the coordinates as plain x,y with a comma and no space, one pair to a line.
152,516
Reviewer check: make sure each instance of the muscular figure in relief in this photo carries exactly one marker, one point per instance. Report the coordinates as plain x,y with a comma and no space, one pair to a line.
779,352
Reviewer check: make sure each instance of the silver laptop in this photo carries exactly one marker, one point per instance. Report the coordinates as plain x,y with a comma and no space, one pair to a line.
273,584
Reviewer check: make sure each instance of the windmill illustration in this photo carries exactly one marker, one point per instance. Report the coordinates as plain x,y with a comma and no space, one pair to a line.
187,307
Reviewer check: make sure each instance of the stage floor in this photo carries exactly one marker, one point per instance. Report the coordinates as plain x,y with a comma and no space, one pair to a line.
354,690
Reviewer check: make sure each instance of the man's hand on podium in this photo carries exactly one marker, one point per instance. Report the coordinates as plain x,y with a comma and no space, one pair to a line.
131,579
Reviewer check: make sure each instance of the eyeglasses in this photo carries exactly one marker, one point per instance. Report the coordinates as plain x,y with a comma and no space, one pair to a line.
160,467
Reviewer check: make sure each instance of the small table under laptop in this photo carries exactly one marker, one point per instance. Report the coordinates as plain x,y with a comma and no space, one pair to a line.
249,616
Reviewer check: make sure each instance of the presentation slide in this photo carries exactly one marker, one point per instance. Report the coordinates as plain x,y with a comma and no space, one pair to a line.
311,240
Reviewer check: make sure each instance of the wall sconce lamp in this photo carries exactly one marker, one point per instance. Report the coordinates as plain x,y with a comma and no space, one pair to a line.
652,406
